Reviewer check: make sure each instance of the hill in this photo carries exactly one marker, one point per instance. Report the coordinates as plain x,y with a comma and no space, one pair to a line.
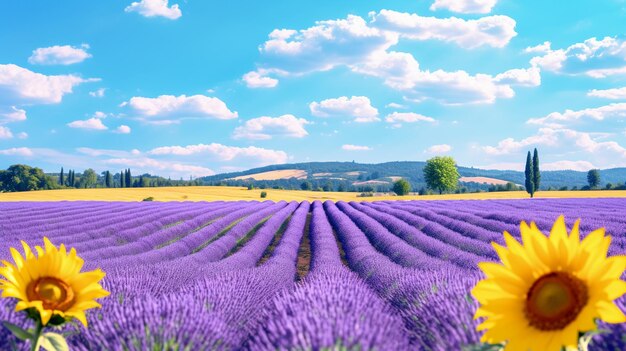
344,176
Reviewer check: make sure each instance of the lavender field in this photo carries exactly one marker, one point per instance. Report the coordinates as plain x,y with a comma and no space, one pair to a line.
303,276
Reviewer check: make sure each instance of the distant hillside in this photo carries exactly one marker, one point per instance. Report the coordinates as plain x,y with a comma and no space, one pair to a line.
344,176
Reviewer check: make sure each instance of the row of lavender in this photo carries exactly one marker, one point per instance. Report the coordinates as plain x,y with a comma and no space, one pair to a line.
222,275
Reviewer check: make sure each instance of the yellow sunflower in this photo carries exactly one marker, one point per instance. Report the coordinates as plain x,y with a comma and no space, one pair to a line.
548,289
51,283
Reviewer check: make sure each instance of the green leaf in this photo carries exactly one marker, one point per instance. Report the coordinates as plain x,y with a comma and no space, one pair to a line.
17,331
53,342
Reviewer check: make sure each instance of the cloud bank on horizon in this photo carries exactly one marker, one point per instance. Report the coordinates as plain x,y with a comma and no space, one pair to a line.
188,89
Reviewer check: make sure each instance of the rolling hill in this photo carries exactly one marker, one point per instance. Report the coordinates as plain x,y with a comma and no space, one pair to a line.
358,176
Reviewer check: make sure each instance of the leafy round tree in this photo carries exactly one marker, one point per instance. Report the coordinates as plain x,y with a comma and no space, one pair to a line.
441,173
593,178
401,187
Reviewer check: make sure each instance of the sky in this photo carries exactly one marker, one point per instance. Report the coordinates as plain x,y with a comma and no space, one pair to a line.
194,88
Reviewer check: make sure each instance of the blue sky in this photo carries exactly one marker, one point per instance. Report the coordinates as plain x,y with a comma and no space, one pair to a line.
198,87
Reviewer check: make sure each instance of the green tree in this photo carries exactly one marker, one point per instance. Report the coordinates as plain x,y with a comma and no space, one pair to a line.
593,178
536,172
530,178
129,179
25,178
441,173
88,179
108,180
122,179
401,187
306,185
61,178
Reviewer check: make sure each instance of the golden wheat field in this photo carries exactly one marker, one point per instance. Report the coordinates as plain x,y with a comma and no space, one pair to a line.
215,193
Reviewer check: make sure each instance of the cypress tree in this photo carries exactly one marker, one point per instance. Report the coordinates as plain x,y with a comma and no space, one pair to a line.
140,185
129,179
107,179
70,178
536,172
61,178
530,183
122,180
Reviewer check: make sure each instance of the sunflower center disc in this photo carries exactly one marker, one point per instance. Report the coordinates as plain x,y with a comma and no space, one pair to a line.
555,300
54,293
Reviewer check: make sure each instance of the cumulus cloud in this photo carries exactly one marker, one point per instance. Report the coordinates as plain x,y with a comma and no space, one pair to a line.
541,48
5,133
551,137
170,109
21,86
264,128
123,129
22,135
350,147
363,48
581,166
59,55
150,165
407,117
90,124
97,93
358,107
259,156
396,105
155,8
529,77
594,58
401,71
439,149
464,6
614,110
255,79
546,136
14,114
615,94
495,31
17,151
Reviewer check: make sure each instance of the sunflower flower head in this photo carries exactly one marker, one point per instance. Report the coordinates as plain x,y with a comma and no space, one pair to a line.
49,285
547,289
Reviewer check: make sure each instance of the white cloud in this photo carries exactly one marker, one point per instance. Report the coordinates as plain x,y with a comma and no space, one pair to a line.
59,55
150,165
529,77
363,48
255,79
259,156
541,48
407,117
546,136
402,72
155,8
123,129
505,166
350,147
396,105
99,115
91,124
581,166
614,110
264,128
464,6
5,133
615,94
326,45
594,58
13,115
21,86
97,93
358,107
164,107
17,151
439,149
103,152
22,135
495,31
